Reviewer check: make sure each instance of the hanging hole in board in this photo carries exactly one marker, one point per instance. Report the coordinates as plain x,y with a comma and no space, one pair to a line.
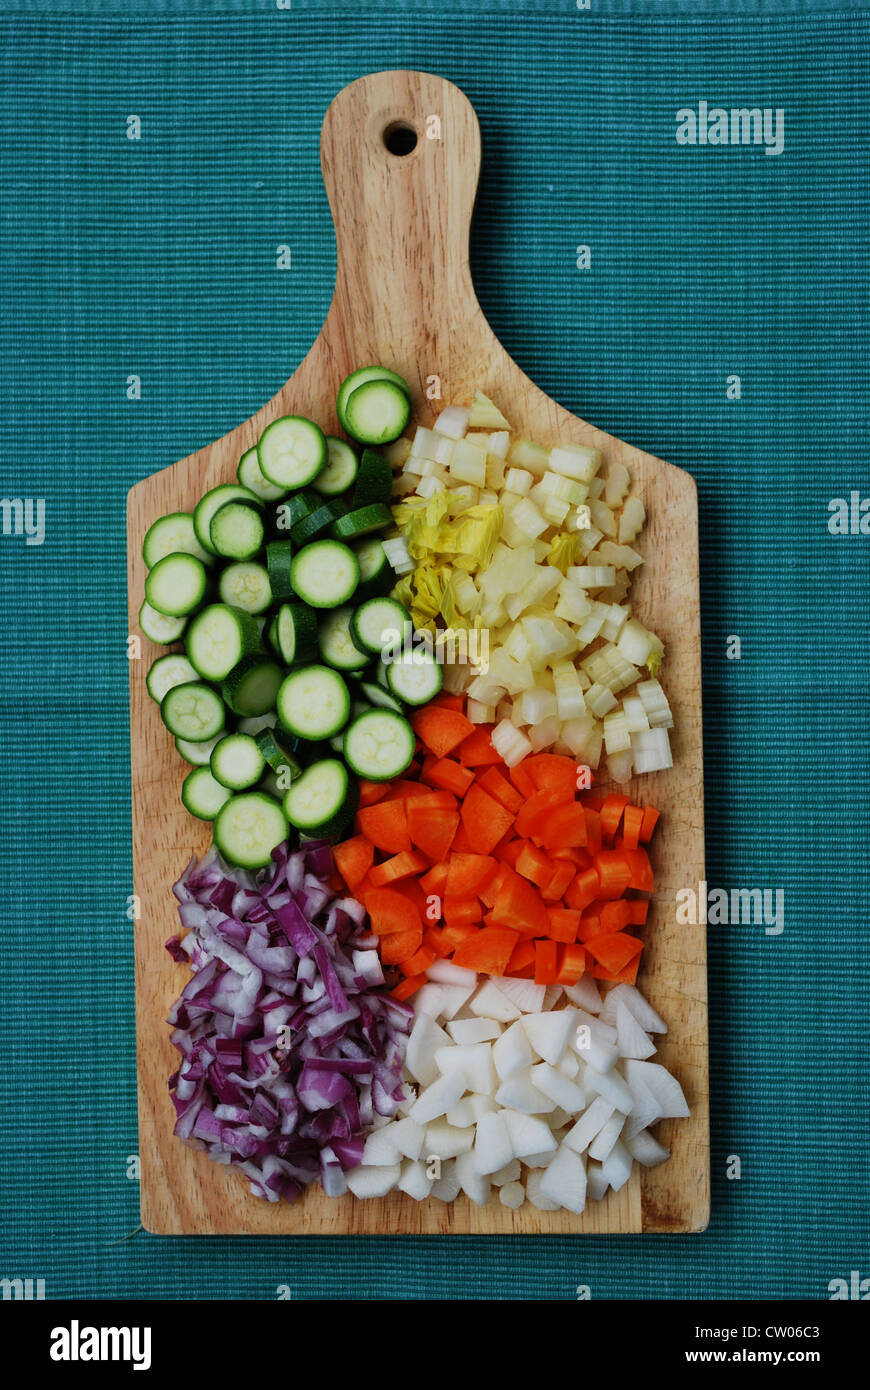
400,138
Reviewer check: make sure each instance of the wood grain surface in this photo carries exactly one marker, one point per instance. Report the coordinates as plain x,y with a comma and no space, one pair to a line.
404,298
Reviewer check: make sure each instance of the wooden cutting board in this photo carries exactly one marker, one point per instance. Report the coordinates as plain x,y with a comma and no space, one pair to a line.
404,298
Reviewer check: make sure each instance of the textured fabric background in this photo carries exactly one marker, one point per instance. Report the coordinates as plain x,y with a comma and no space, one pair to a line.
157,258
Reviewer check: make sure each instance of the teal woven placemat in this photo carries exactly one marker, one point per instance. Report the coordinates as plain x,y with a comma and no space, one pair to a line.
155,258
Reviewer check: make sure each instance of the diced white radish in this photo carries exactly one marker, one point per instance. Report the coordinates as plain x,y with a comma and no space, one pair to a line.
425,1038
606,1137
469,1110
414,1180
560,1119
475,1186
666,1088
454,998
549,1033
473,1030
585,993
407,1136
429,999
569,1096
600,1031
644,1112
528,1134
636,1004
473,1061
444,1140
490,1002
380,1151
646,1149
591,1122
536,1196
512,1195
633,1041
519,1093
447,1187
528,997
444,972
409,1098
569,1065
510,1173
373,1182
542,1157
564,1180
492,1145
617,1166
598,1055
611,1086
512,1052
438,1098
596,1182
552,995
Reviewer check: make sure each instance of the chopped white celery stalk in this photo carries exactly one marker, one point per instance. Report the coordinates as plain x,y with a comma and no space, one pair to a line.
453,421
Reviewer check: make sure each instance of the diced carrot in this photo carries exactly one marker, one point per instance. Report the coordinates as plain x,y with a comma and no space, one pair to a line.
628,976
447,701
353,859
400,866
404,790
336,882
386,826
490,890
450,775
533,865
641,870
650,817
370,792
615,916
406,988
466,873
557,884
487,951
485,820
477,749
435,879
546,962
553,772
462,841
632,824
590,925
572,964
434,939
419,962
562,827
614,950
564,922
522,958
495,782
593,830
535,810
523,780
399,946
639,910
440,730
611,813
456,935
432,827
584,889
433,798
509,851
519,906
410,888
614,872
461,912
392,912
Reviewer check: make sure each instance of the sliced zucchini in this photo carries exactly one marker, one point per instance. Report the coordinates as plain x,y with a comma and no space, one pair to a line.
294,633
212,502
376,412
313,702
323,800
340,469
377,575
176,585
274,745
202,794
317,523
250,475
197,753
246,585
218,638
279,556
379,745
358,378
337,645
379,696
172,535
380,623
252,686
167,671
193,711
374,481
362,521
291,451
158,628
237,762
325,574
236,531
259,721
248,828
416,679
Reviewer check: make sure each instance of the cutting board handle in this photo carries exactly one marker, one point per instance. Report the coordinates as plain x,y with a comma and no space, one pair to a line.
400,153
